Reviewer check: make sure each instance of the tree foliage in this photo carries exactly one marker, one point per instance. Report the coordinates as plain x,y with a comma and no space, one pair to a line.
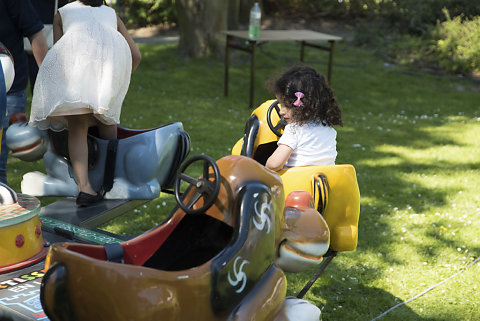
405,31
457,44
435,34
408,16
142,13
416,17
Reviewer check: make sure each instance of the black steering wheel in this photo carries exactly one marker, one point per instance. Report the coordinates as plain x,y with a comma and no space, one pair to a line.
204,187
281,124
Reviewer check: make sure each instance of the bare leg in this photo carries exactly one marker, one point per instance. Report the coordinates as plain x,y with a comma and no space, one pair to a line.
78,149
107,131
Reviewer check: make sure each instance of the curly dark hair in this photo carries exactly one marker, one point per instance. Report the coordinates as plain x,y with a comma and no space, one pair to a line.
319,102
93,3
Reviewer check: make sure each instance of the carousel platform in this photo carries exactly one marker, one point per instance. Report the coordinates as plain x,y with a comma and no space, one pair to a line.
34,228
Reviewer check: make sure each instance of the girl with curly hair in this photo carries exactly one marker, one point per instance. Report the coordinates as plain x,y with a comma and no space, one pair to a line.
310,110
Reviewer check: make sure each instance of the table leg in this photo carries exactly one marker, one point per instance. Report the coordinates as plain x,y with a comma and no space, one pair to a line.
302,51
227,65
253,44
330,57
330,60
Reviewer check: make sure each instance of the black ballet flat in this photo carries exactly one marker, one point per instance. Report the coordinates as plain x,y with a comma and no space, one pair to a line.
85,199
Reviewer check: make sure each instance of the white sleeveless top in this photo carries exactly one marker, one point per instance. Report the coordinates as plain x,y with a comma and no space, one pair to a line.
87,71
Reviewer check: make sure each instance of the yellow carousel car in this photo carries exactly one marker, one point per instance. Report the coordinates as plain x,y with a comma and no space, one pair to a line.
334,188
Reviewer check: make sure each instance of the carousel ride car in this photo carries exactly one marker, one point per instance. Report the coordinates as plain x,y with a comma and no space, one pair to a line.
8,71
137,165
334,188
218,256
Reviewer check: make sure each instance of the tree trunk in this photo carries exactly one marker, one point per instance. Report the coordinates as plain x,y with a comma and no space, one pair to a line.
244,11
233,16
200,25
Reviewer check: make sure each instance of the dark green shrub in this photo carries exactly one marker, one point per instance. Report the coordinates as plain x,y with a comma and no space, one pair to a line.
141,13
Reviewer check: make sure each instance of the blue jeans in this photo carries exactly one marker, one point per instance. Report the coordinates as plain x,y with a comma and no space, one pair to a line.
16,103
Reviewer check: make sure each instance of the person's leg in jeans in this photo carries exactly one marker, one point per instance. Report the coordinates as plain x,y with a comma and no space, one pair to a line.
16,103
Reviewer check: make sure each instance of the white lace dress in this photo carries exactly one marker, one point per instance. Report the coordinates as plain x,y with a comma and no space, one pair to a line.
86,71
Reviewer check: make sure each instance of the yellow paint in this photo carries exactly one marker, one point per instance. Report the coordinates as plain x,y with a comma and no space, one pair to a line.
343,206
33,244
264,133
237,148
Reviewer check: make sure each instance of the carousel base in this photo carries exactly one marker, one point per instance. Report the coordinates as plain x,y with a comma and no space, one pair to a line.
20,294
30,261
20,233
62,221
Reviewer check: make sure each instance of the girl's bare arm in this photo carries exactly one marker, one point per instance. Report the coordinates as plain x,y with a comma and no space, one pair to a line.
57,27
136,56
279,157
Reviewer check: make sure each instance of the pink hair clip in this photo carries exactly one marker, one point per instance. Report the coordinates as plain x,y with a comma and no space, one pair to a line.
299,96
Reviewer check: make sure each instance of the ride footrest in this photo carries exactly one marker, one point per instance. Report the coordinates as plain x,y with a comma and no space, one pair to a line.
94,215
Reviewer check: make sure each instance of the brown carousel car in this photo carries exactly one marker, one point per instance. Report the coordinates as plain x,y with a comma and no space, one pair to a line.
216,257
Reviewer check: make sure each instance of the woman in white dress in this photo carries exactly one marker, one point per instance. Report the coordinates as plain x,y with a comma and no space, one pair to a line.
83,81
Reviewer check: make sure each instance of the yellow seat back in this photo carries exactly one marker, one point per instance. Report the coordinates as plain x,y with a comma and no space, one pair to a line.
265,134
342,207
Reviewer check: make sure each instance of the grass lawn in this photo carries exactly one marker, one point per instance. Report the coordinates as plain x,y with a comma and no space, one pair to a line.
413,139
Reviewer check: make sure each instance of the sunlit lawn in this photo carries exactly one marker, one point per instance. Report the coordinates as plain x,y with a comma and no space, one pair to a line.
413,138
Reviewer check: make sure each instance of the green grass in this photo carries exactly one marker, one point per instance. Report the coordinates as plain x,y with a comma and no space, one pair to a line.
412,137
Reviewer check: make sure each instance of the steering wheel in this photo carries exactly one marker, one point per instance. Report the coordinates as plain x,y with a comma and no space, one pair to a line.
203,186
281,124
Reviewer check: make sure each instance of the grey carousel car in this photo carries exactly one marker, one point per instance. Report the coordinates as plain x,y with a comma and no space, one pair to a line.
136,165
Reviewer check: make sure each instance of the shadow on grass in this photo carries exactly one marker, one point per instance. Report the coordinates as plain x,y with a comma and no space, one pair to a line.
339,299
346,303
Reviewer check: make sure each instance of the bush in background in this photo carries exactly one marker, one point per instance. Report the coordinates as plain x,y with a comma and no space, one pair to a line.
142,13
457,44
423,34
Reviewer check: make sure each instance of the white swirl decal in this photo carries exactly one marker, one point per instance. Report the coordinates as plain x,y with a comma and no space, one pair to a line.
263,215
240,276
